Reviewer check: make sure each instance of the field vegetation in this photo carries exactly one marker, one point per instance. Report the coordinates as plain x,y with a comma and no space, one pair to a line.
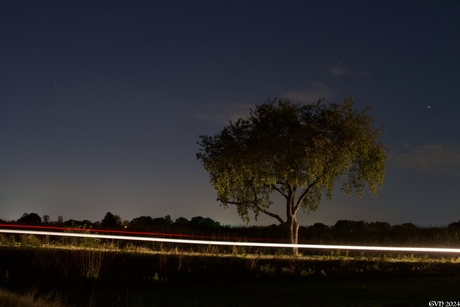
68,271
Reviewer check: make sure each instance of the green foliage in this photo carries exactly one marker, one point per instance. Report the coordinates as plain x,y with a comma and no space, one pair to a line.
30,241
298,151
7,239
77,241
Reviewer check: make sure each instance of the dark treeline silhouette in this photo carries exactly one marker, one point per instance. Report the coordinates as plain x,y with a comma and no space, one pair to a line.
342,232
32,218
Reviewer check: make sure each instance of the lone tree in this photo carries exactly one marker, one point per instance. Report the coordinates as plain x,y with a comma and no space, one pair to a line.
298,151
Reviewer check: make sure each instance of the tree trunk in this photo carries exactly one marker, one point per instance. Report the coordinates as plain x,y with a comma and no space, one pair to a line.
292,227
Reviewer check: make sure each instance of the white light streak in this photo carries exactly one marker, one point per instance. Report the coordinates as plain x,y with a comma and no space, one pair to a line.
228,243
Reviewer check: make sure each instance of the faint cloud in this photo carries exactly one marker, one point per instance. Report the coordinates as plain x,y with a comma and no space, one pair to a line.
339,71
312,94
430,158
223,114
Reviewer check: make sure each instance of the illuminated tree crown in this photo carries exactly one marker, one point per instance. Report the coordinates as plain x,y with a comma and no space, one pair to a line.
298,151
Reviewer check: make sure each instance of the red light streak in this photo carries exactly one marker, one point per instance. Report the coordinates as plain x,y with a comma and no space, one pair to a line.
102,231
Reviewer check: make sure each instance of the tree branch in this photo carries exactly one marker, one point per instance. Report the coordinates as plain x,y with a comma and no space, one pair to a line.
302,196
274,187
276,216
256,203
236,203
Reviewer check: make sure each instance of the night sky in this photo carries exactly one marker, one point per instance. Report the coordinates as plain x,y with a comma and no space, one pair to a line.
102,102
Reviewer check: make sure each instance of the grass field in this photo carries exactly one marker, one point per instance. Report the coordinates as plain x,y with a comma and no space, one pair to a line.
410,291
41,271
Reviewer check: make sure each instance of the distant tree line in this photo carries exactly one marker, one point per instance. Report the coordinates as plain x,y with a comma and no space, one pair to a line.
113,221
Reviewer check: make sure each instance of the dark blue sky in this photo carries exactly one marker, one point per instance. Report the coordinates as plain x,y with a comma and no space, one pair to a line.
102,102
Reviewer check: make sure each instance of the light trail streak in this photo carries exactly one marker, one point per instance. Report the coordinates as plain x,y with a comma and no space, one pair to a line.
125,232
228,243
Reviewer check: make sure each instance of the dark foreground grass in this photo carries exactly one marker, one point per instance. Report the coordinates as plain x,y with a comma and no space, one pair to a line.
414,291
30,299
109,278
399,291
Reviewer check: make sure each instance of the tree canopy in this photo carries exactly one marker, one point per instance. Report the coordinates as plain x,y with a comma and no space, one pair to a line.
298,151
32,218
111,220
